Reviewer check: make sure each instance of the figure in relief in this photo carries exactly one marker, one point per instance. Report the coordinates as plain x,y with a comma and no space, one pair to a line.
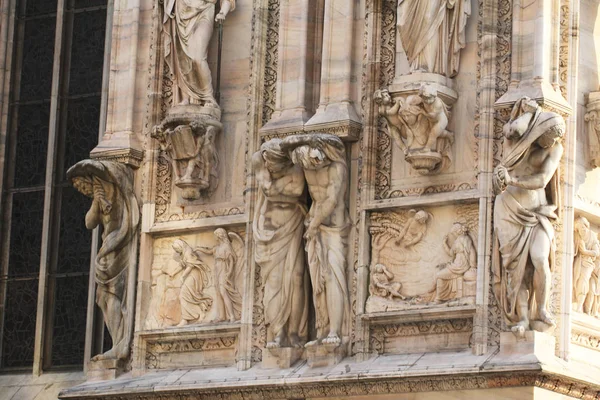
414,230
526,184
433,33
594,293
323,159
587,250
460,247
228,267
187,29
382,285
165,306
279,250
418,127
115,207
195,304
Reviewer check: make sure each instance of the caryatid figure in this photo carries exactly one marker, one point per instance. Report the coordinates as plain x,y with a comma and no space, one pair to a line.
187,29
323,160
115,207
279,248
527,186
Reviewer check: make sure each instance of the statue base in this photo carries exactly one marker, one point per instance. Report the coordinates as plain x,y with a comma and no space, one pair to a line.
532,346
406,85
281,357
104,370
325,355
424,162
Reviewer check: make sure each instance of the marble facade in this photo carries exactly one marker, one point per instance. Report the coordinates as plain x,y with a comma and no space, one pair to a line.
367,199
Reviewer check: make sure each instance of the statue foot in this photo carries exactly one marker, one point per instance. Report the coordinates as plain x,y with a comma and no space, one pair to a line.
518,330
546,318
295,341
183,322
332,339
110,354
312,343
273,345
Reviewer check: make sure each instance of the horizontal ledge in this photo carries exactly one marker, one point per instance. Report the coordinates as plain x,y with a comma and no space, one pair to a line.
183,332
188,225
420,315
426,200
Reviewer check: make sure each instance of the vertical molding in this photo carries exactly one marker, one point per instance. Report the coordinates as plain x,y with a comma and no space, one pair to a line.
49,194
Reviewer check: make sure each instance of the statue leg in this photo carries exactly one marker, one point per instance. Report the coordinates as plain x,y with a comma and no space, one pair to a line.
298,303
522,311
113,318
335,308
542,279
229,312
205,30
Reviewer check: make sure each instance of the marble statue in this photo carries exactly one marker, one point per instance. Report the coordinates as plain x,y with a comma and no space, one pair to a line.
228,268
381,283
195,304
418,125
115,207
460,247
433,33
587,250
187,29
279,248
527,199
323,160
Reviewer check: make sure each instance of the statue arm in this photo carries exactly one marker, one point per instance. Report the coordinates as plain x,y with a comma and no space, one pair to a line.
416,239
541,179
447,248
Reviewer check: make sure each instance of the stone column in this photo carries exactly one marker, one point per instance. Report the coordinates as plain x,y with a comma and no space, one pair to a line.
336,108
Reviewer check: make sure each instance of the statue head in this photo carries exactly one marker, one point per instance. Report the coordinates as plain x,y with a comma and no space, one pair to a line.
428,94
382,96
274,159
582,225
458,229
221,234
552,136
422,216
178,246
310,157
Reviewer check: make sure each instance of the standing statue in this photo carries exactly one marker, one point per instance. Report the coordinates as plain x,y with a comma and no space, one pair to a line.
195,304
187,29
323,159
229,264
460,247
526,184
433,33
115,207
587,250
278,230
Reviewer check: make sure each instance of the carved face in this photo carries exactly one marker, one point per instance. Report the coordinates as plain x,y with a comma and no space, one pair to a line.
458,230
379,268
220,234
421,216
428,94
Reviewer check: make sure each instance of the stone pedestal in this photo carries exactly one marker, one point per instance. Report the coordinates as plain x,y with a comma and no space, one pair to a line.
103,370
533,345
281,357
323,355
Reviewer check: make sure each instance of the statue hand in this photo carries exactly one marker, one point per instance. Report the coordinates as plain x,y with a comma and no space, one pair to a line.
220,17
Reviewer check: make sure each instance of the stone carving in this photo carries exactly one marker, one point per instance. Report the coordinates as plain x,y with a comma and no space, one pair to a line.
382,285
415,265
526,184
586,269
418,125
592,119
191,148
187,29
278,230
454,275
189,288
433,34
115,207
228,267
322,157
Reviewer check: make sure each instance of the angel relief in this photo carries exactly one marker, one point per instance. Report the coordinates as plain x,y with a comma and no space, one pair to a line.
187,290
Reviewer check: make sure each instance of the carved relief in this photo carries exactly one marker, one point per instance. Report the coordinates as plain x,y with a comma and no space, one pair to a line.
417,125
194,285
586,269
592,119
527,199
433,34
414,264
115,207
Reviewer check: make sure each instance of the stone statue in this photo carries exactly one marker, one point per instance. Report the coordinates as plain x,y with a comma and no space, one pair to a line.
526,184
279,250
381,283
587,250
323,160
187,29
418,126
460,247
195,304
433,33
115,207
228,268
